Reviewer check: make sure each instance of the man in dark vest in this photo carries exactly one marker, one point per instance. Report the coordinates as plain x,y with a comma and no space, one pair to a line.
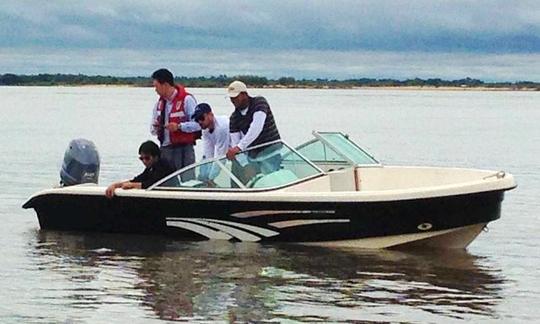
252,123
171,121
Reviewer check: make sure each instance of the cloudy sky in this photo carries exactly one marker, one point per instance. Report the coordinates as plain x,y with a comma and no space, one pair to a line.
490,40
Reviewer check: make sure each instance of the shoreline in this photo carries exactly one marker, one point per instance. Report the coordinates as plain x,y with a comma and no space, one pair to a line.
255,81
411,88
428,88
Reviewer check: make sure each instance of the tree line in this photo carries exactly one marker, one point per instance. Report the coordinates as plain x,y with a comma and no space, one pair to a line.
254,81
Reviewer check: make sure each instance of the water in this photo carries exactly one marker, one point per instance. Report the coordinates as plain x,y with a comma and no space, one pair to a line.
93,278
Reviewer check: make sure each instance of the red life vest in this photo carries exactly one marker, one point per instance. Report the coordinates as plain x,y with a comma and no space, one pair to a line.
177,115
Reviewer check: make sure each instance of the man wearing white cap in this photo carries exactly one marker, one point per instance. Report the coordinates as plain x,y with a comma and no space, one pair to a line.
252,122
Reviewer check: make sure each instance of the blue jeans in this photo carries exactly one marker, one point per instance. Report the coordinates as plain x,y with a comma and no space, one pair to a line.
179,157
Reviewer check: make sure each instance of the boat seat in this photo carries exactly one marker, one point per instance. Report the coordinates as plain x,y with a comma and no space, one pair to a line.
275,179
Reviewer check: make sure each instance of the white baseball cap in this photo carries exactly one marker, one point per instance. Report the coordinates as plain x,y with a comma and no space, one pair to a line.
235,88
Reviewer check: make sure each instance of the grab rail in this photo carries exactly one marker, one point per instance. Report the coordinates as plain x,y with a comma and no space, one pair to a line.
499,174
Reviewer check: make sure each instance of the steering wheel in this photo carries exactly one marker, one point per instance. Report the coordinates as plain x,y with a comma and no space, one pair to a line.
251,183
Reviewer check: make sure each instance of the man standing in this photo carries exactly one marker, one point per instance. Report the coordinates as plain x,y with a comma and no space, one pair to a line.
171,120
252,122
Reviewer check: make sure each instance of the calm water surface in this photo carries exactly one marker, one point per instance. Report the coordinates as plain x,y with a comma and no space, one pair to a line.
95,278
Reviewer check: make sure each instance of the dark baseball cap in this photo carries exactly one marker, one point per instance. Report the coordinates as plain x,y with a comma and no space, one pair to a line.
200,110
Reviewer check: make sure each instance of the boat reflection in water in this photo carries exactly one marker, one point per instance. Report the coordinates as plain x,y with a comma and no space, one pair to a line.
212,280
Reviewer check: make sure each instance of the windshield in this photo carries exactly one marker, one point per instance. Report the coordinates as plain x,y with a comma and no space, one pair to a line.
266,166
334,150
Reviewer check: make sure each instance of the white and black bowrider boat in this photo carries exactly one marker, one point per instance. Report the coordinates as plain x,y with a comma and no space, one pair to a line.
327,191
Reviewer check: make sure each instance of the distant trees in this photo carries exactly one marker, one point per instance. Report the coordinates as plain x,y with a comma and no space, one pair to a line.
9,79
222,81
286,81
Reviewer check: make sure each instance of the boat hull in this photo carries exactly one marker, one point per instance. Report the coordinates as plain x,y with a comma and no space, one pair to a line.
344,223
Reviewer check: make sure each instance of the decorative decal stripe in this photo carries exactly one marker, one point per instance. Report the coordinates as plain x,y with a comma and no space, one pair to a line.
204,231
300,222
239,234
255,213
255,229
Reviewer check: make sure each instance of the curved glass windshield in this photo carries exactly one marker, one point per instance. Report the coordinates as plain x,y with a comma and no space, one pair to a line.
266,166
332,150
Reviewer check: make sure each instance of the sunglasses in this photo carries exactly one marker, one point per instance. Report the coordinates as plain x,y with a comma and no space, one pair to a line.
145,157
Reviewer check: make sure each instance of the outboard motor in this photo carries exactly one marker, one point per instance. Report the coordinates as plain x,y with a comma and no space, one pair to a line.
81,163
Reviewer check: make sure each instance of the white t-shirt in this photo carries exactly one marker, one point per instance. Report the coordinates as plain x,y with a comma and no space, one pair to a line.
216,143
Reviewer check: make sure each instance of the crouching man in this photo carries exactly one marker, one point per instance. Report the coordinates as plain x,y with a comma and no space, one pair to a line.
155,169
216,139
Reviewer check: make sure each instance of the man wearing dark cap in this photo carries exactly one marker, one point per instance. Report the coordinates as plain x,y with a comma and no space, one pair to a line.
215,131
172,122
216,139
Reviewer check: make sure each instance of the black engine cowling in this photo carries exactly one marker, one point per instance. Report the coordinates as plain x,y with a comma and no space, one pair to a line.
81,163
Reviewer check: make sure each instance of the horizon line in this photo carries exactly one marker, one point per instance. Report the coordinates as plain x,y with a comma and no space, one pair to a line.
283,78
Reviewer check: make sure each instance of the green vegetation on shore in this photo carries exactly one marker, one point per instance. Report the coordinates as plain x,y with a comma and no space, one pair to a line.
256,81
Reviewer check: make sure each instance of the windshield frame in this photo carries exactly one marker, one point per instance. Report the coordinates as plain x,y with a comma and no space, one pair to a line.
223,168
319,136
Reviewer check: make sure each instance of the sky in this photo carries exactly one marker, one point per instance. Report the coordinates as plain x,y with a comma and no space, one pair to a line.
488,40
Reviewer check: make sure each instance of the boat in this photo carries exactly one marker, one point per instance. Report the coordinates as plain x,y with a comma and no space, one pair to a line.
328,191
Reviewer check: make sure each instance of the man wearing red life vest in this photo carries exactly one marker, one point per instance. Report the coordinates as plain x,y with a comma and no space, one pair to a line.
171,121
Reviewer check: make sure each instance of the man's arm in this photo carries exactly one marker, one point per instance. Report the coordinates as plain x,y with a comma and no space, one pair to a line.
109,192
154,123
255,129
189,108
235,138
188,126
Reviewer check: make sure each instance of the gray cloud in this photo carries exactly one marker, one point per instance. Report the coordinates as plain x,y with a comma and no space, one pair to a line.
432,26
492,40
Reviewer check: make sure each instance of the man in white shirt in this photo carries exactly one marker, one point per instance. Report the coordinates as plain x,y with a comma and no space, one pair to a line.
215,131
215,136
